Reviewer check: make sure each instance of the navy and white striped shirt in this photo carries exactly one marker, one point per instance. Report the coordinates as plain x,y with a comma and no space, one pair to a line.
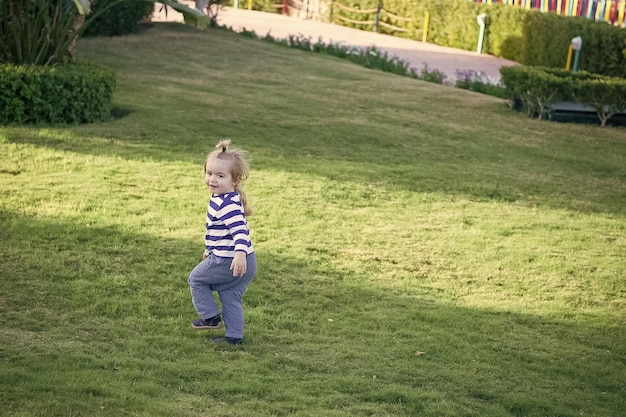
226,226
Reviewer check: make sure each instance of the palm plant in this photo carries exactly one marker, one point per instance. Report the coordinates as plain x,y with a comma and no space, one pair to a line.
44,32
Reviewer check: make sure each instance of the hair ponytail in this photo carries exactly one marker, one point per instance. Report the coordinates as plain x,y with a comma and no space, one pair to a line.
240,170
222,145
244,200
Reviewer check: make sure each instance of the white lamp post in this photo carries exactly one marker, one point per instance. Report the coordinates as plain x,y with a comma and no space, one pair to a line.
577,44
481,19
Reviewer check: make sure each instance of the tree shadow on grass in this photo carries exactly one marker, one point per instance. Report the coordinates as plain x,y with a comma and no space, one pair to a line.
98,316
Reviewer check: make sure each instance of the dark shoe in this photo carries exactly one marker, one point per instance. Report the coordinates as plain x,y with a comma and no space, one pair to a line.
229,340
209,324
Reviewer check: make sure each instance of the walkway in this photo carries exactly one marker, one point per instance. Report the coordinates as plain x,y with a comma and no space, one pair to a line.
417,54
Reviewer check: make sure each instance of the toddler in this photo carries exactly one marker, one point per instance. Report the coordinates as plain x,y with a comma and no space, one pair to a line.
229,263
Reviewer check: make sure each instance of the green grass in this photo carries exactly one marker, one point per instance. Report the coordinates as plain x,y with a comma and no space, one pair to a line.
393,216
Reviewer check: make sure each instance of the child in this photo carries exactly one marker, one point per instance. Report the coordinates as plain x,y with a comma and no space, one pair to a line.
229,263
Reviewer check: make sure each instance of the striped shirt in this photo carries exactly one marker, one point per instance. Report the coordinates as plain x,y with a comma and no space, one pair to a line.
226,226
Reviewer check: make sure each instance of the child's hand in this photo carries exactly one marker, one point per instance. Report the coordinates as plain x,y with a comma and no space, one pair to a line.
239,264
204,255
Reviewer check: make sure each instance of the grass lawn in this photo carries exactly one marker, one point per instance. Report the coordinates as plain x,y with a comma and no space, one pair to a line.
423,250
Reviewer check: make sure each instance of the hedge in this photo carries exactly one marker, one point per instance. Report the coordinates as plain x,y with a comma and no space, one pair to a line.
547,38
539,87
63,94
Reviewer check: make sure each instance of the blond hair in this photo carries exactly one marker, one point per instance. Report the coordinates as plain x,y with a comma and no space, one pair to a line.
239,168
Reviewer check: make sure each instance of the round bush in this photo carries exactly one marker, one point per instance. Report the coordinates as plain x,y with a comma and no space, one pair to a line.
63,94
120,19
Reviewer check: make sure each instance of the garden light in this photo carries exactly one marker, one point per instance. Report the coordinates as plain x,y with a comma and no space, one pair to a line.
481,19
577,44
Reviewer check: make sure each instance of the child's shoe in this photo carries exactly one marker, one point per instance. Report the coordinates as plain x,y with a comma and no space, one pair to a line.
226,339
209,324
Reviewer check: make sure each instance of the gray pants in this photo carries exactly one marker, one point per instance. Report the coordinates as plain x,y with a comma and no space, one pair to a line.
214,274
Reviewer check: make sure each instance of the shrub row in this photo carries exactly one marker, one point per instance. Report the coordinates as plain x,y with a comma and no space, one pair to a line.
368,57
525,36
64,94
547,36
537,88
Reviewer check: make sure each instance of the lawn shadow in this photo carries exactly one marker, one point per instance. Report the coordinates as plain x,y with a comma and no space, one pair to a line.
119,112
336,339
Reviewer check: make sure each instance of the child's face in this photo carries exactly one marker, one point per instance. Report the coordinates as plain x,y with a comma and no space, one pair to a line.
217,176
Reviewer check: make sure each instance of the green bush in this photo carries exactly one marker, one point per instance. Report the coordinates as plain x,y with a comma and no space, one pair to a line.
607,96
547,38
539,87
120,19
504,35
64,94
479,82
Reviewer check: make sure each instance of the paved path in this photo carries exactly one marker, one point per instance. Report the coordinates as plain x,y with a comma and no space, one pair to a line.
417,54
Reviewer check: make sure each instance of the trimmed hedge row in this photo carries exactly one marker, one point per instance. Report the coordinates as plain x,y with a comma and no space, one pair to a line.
539,87
525,36
547,37
64,94
543,39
